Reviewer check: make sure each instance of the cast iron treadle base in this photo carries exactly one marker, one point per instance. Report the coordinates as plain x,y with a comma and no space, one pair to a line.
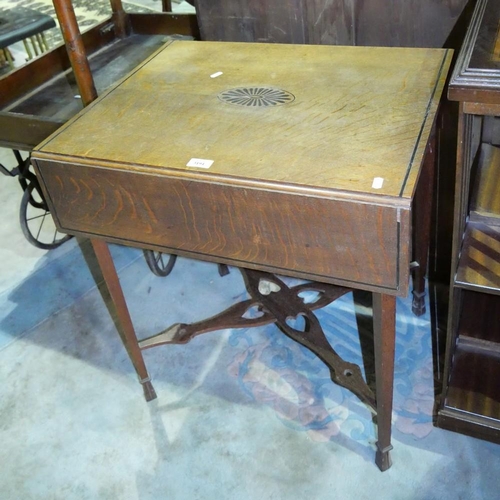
277,303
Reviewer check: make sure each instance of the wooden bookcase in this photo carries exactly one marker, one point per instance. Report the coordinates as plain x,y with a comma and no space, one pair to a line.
471,395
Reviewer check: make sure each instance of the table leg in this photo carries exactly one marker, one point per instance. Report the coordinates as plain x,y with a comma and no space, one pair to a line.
422,223
115,290
364,301
384,329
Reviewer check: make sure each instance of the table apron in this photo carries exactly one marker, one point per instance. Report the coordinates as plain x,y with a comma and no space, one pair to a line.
358,243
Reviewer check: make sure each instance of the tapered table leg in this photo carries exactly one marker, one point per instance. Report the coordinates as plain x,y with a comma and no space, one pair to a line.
422,223
384,329
115,290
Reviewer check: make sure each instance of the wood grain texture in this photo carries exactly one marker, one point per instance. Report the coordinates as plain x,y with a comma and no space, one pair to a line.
473,385
42,93
471,399
320,237
422,214
479,264
476,76
485,199
469,128
291,187
76,49
27,121
480,321
108,269
160,24
358,113
25,131
56,98
384,324
481,108
395,23
27,78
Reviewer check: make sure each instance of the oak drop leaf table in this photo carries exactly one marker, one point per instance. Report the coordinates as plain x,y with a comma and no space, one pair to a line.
299,160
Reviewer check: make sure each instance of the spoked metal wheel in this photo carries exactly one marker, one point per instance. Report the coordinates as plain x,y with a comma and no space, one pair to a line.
36,222
160,263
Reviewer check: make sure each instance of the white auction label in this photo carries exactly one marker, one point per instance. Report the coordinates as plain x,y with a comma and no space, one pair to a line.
199,163
378,182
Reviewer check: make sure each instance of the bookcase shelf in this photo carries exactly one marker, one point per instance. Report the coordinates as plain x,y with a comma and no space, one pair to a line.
471,402
479,263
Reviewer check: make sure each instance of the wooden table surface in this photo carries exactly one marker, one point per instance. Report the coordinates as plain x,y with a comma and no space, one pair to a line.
358,113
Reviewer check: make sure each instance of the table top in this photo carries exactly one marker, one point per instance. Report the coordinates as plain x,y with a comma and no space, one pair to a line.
346,121
295,159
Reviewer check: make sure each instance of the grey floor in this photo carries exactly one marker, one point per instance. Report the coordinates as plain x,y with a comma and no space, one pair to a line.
241,414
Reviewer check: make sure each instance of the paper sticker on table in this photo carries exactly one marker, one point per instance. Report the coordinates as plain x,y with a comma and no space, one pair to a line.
199,163
378,182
